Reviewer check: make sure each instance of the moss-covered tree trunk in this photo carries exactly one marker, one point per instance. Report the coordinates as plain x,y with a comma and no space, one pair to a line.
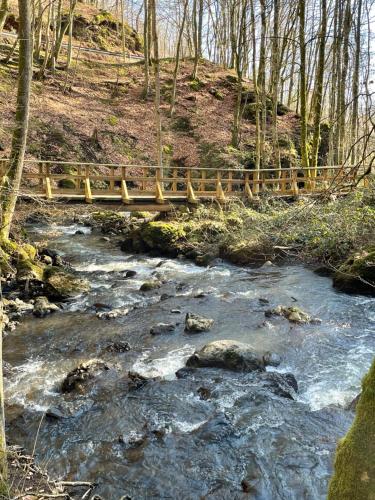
11,183
354,475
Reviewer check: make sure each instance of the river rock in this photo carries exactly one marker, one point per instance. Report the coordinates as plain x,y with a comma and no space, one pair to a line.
228,354
162,328
353,404
197,324
271,359
113,314
130,274
46,259
43,307
292,314
60,285
148,286
118,347
76,378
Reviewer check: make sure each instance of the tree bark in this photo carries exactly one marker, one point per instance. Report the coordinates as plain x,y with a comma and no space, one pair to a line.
319,88
303,87
11,184
156,63
4,7
177,63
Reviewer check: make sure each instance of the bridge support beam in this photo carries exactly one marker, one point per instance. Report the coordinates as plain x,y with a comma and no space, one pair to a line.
248,191
159,197
48,188
88,195
220,196
124,193
191,195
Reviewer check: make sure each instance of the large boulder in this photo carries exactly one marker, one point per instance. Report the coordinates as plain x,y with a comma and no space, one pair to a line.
162,236
61,285
357,274
197,324
227,354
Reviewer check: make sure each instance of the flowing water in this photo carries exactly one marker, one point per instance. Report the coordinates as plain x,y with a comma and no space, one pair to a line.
164,440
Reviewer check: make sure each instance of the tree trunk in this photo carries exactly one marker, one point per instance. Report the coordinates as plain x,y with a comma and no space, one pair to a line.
319,88
303,87
177,63
13,177
4,7
156,64
355,85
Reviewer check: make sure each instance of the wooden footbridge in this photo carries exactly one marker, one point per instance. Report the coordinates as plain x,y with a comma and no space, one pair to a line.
158,188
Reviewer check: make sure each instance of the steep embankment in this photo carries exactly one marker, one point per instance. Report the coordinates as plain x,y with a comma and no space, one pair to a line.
97,111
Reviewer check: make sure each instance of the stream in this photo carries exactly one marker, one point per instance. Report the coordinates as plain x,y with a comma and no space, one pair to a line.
164,440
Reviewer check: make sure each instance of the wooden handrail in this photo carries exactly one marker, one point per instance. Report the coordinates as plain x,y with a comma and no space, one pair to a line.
189,183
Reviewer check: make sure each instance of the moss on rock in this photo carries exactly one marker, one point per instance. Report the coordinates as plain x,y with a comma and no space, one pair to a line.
247,252
354,476
61,285
162,236
357,274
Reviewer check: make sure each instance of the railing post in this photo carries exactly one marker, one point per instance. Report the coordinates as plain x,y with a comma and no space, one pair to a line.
202,184
174,181
220,196
40,170
229,184
88,195
256,179
124,188
159,197
111,181
48,182
248,191
294,182
190,191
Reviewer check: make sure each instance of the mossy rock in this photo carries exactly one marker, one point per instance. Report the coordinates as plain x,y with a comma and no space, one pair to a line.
357,274
354,475
162,236
108,217
217,94
196,85
141,215
247,252
282,109
149,286
61,285
29,270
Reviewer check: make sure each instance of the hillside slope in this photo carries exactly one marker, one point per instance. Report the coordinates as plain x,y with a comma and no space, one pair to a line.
97,113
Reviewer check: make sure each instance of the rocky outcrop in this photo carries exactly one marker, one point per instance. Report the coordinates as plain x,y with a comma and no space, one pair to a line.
357,274
197,324
227,354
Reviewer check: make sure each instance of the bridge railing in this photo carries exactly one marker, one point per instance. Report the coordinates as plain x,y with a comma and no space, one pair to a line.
128,182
